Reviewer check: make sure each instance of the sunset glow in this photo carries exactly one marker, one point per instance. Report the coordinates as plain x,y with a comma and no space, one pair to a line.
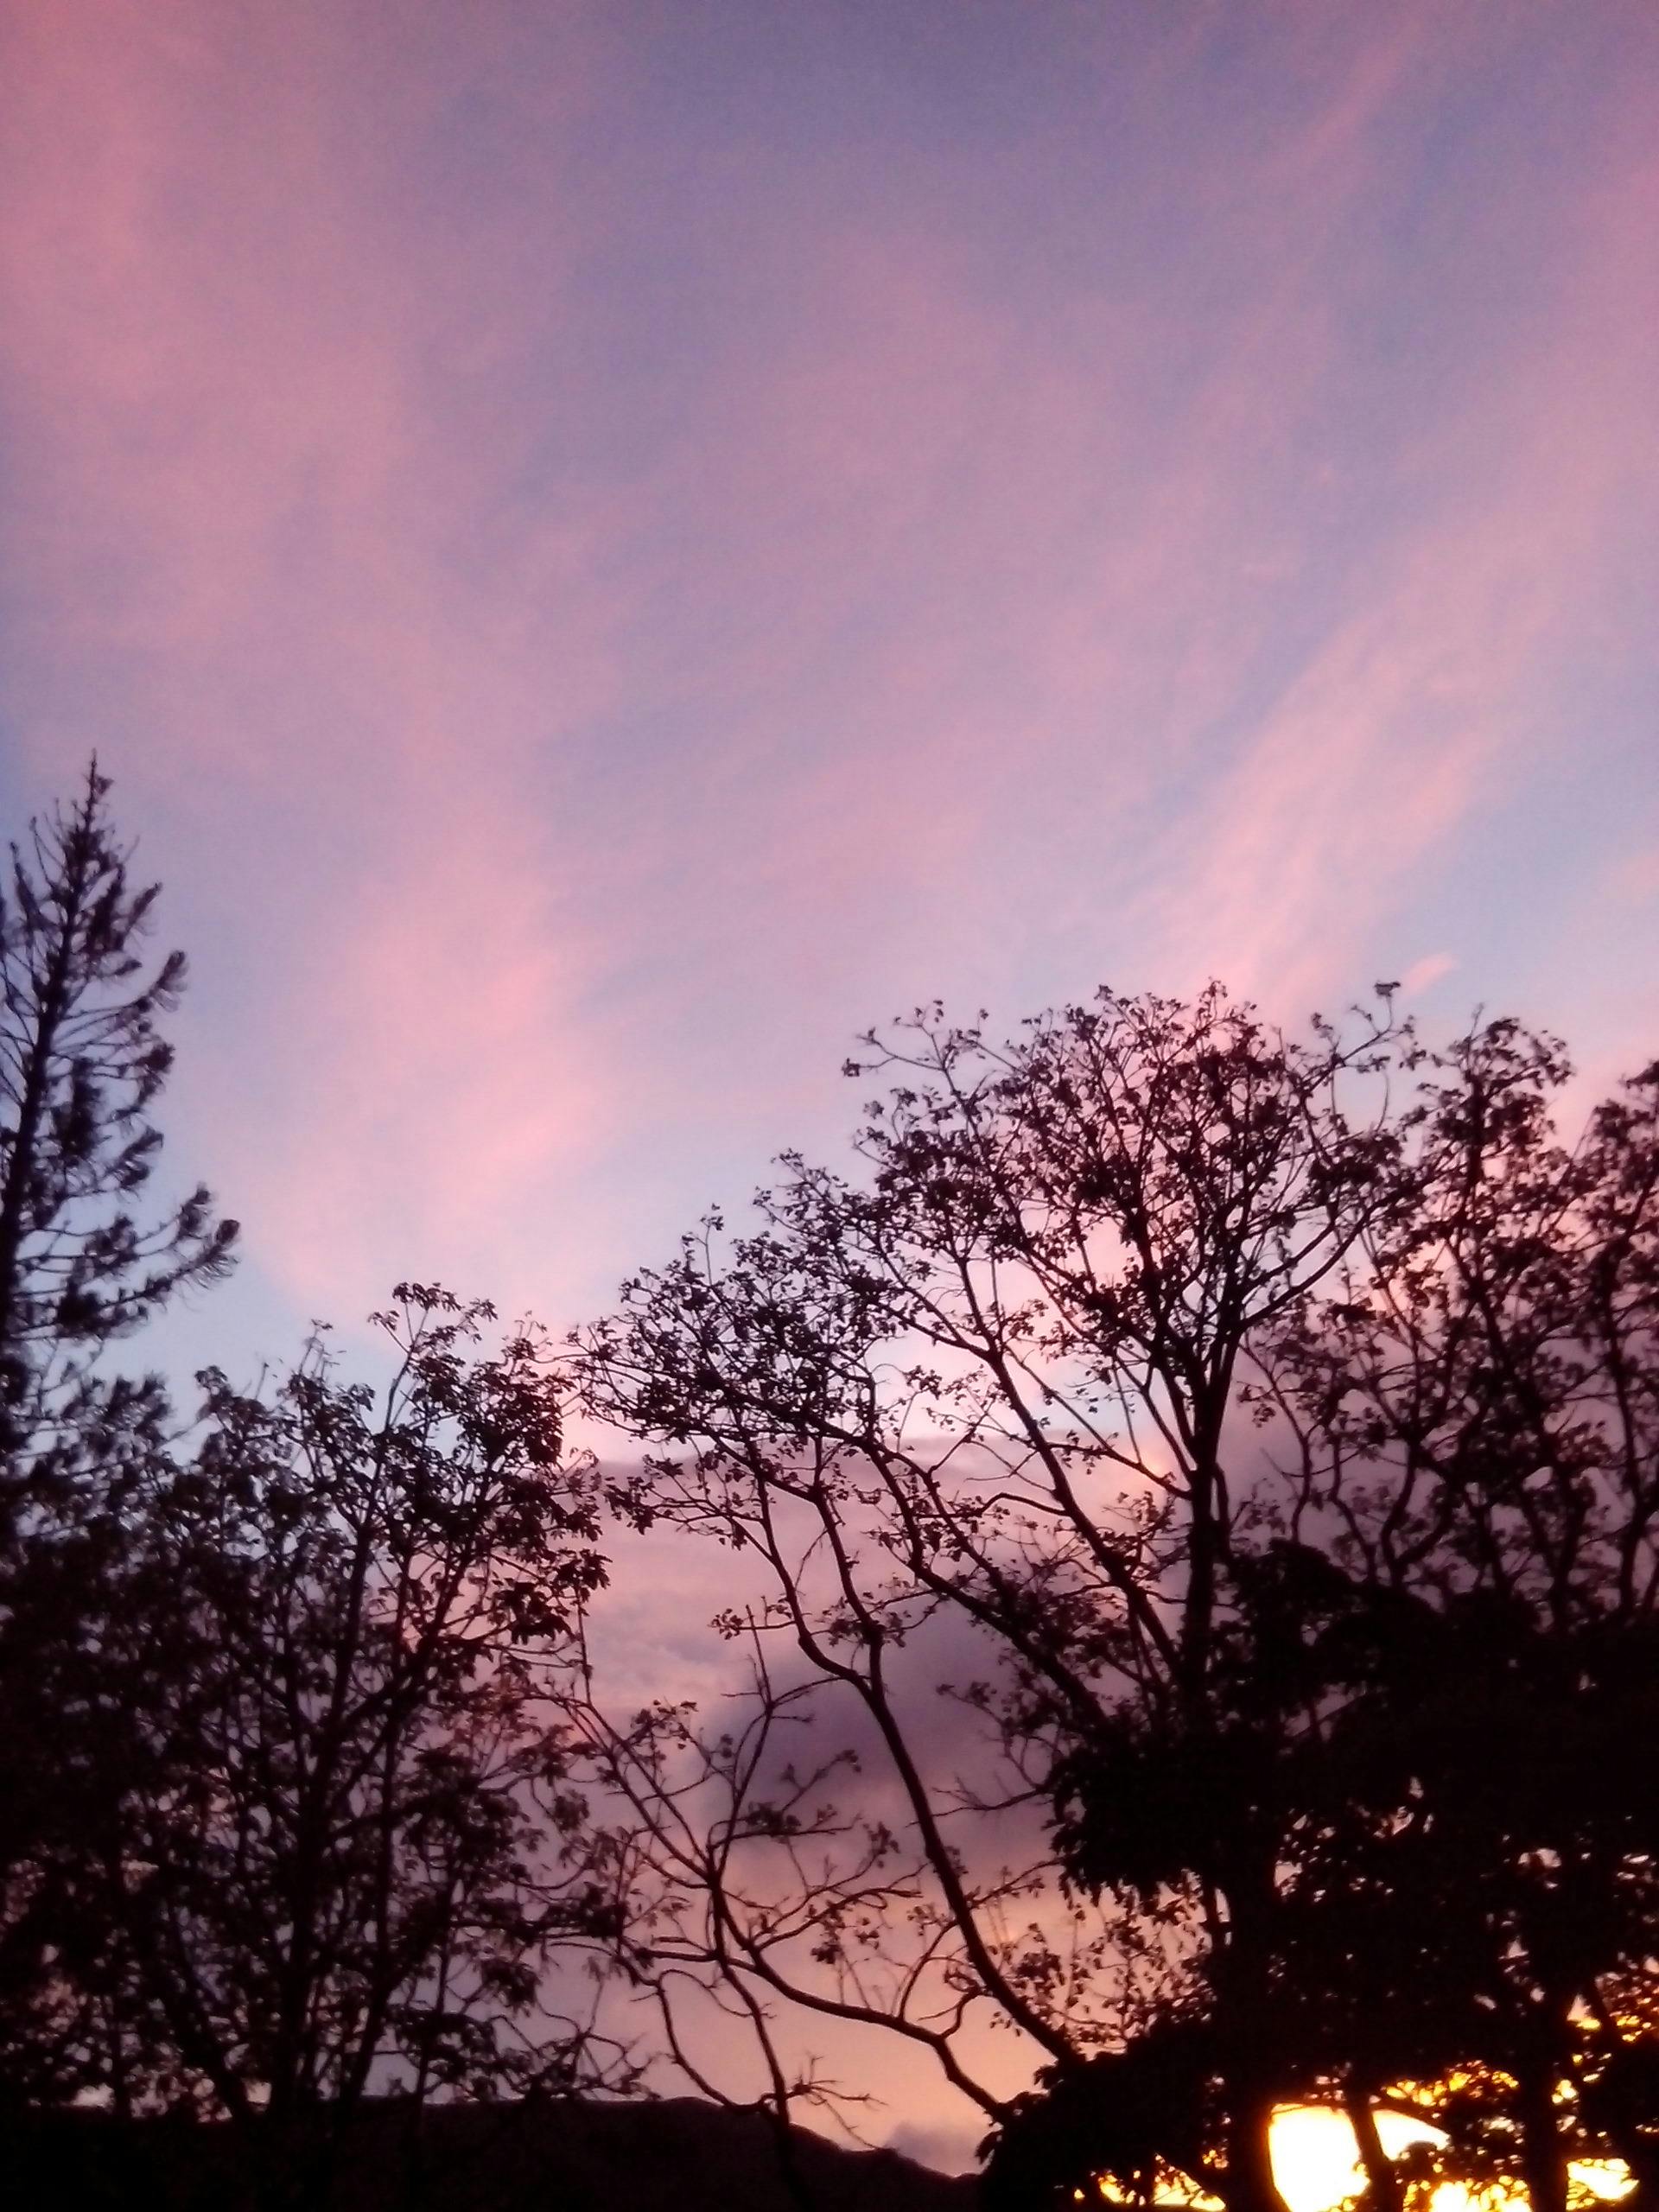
1316,2165
608,546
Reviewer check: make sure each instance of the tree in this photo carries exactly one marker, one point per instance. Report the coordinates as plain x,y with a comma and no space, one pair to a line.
983,1398
332,1844
1178,1389
82,1059
1436,1723
1479,1418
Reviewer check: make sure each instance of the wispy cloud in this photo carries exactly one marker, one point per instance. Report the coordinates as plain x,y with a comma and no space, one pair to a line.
610,549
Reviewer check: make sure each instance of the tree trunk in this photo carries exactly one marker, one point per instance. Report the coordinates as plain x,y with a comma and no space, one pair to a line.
1251,2186
1544,2165
1383,2191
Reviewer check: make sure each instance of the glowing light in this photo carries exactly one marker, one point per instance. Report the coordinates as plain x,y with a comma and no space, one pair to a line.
1317,2166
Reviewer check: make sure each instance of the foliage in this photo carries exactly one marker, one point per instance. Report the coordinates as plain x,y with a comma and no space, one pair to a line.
334,1843
1440,1744
976,1403
82,1059
1268,1427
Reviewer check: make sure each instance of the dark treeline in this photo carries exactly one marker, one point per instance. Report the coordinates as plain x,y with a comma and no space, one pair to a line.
1192,1508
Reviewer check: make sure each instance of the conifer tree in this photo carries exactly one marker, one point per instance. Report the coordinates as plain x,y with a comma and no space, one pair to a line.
82,1060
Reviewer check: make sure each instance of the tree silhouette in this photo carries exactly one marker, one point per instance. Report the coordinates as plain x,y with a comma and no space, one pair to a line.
986,1390
1478,1421
1434,1726
332,1844
1270,1425
82,1059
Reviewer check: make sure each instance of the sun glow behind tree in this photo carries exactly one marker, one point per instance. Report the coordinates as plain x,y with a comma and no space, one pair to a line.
1316,2165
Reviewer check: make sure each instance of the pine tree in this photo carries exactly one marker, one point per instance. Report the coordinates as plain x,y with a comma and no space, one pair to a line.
82,1059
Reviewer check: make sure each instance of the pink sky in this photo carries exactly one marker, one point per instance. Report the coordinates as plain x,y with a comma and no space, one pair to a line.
607,547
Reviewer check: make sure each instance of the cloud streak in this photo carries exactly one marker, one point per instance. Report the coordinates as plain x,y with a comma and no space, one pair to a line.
615,549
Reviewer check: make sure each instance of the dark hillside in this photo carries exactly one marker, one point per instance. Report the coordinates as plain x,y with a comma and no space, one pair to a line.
678,2155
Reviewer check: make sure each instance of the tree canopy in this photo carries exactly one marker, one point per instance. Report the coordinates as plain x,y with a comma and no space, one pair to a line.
1273,1422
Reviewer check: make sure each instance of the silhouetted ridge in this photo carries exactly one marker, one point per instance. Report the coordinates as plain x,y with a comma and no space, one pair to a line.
681,2155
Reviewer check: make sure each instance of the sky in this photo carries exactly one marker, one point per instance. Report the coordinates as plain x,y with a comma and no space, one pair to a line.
607,548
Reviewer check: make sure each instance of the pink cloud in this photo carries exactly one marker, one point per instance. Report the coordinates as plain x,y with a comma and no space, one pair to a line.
224,353
1415,710
1423,974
